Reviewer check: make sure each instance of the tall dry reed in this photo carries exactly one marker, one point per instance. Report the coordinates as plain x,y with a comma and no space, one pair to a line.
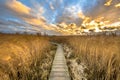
101,54
21,55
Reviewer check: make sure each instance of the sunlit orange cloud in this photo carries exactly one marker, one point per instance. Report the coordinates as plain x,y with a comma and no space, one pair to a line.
81,15
37,22
18,7
33,21
99,19
23,11
117,5
108,3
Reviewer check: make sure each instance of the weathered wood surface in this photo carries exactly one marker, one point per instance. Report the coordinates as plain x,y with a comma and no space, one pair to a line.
59,68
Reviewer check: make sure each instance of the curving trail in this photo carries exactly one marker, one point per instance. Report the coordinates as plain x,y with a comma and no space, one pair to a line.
59,68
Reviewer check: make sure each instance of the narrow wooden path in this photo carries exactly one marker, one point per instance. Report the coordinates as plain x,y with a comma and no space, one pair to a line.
59,68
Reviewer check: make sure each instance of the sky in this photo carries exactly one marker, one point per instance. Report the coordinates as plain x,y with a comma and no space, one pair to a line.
38,15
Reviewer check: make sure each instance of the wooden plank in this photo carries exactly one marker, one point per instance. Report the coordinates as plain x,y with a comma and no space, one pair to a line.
59,68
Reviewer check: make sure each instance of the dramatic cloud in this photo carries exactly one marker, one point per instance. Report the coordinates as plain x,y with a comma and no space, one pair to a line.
21,16
18,7
108,3
70,15
38,15
105,11
24,12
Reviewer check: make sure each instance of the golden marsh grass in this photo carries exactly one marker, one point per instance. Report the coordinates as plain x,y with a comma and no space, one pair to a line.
101,54
22,57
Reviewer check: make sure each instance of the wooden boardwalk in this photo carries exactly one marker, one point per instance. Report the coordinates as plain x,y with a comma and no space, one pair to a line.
59,68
